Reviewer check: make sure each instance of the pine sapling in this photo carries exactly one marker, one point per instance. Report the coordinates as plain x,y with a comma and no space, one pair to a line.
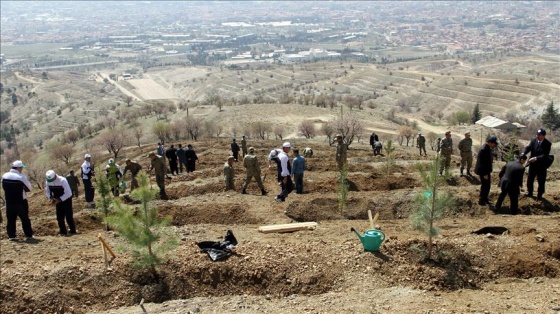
145,233
389,158
104,188
431,203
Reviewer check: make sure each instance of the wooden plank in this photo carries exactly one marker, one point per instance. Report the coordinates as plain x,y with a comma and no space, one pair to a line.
288,227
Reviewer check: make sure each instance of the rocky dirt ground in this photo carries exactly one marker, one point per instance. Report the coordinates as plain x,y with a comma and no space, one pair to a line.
316,271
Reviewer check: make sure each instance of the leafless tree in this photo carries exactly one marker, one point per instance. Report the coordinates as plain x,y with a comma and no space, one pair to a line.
137,132
349,127
328,129
307,129
261,128
278,131
178,129
162,131
72,136
113,140
61,152
128,100
405,132
194,127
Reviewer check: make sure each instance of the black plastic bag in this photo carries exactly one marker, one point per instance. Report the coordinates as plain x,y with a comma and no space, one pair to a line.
219,250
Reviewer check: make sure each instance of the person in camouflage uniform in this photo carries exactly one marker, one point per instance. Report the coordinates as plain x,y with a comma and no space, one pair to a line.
73,182
134,169
158,164
341,149
445,150
465,147
421,143
251,163
229,174
244,146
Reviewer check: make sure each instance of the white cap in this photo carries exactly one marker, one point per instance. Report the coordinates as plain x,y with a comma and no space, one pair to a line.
110,161
50,176
286,145
18,164
273,153
87,156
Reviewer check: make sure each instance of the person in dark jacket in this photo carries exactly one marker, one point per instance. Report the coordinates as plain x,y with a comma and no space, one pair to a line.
182,158
539,148
192,158
15,185
171,155
372,139
511,179
483,169
234,149
73,182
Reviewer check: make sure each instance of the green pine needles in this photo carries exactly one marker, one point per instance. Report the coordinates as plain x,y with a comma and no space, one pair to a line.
389,158
104,188
431,202
144,231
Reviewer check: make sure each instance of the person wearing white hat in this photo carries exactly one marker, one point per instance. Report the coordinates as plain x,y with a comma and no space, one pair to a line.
273,157
87,173
286,173
59,192
15,185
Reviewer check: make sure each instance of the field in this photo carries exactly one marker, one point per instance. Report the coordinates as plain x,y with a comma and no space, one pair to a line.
319,271
325,270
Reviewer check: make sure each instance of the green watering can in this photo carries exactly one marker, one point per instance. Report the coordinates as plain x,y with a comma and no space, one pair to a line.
372,239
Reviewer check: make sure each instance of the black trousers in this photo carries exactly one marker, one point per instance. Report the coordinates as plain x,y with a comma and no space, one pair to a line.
173,166
287,188
191,165
88,190
235,155
540,174
64,212
20,210
513,200
181,163
484,189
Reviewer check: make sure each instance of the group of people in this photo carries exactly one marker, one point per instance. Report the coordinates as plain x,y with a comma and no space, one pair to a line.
287,172
511,174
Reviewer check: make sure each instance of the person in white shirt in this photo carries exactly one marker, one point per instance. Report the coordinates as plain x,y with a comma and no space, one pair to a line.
15,185
59,192
87,173
286,173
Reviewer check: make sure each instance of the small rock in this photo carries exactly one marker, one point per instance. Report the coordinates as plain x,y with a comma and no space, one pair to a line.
193,310
490,236
8,261
539,237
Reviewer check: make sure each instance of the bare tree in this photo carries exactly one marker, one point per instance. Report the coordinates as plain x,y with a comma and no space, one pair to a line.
113,140
61,152
328,129
194,127
162,131
128,100
215,100
137,132
307,129
261,128
109,123
405,132
278,131
178,128
72,136
349,127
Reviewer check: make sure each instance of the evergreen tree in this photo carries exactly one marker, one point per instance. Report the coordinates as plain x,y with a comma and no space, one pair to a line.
389,158
476,115
551,117
144,231
431,203
104,188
